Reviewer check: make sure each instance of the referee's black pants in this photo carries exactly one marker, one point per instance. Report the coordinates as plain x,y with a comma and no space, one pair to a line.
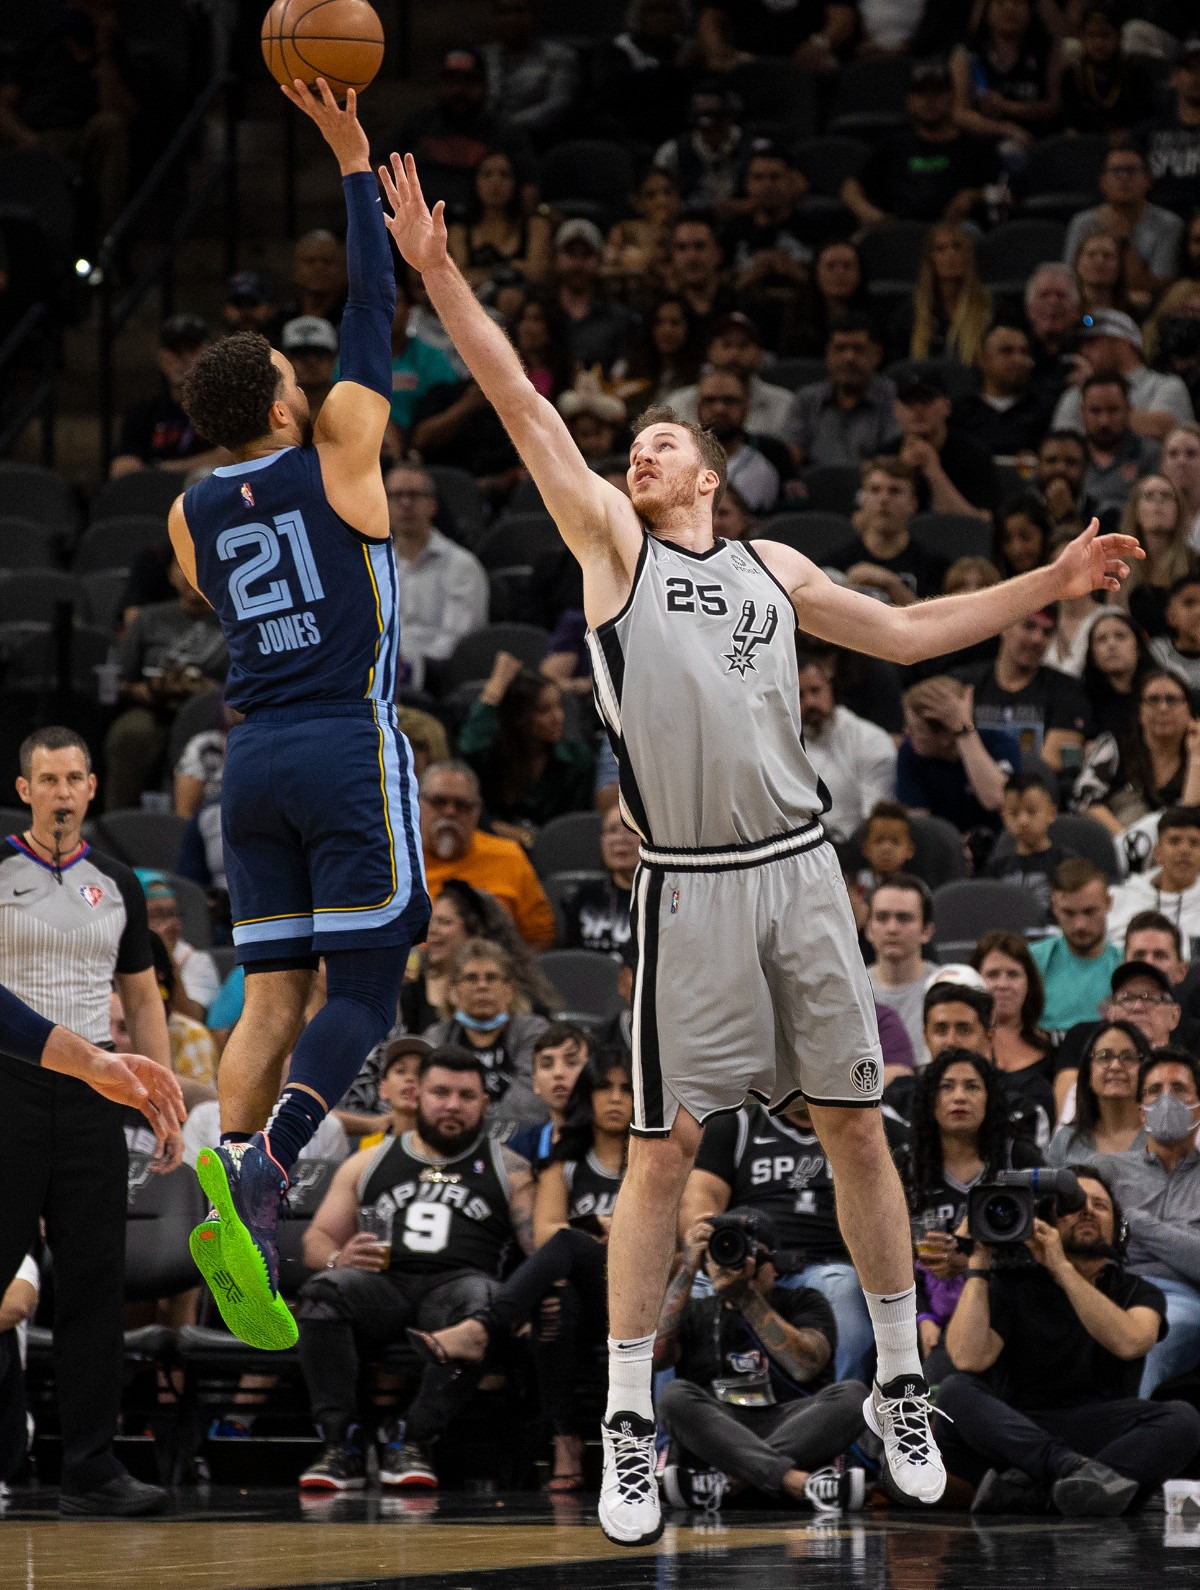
63,1159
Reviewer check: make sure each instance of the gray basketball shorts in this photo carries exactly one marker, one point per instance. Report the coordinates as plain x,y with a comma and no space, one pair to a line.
749,981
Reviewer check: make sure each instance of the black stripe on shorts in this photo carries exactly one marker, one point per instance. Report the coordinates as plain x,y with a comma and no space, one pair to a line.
651,1069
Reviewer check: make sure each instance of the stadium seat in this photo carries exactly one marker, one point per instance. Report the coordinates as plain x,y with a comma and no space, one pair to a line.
773,89
458,493
224,957
102,591
587,982
869,95
193,908
114,543
937,850
795,372
570,843
474,655
964,910
40,184
828,161
32,596
817,535
1062,175
1010,254
832,488
588,168
30,491
160,1213
892,253
525,498
197,716
25,544
30,655
517,540
559,886
1078,835
952,535
141,838
148,492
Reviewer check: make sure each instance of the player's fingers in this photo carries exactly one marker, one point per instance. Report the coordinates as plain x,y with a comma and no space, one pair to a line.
326,95
351,104
439,216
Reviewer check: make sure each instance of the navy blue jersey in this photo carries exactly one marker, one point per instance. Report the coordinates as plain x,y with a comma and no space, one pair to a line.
308,606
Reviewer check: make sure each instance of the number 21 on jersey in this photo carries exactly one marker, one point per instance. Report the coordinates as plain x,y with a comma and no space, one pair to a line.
255,596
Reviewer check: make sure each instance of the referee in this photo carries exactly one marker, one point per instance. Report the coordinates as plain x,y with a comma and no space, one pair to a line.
72,922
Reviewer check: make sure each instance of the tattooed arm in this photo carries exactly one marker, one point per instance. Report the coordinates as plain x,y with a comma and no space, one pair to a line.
799,1351
666,1346
520,1198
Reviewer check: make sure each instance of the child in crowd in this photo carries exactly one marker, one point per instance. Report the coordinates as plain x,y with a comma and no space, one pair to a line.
887,845
559,1055
1181,650
1029,809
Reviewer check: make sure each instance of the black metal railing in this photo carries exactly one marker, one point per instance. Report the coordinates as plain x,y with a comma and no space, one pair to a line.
114,310
35,383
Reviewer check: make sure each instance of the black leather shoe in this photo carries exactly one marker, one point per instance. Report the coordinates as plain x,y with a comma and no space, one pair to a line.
122,1497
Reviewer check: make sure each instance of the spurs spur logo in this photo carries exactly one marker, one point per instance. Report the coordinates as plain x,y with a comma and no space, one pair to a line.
749,635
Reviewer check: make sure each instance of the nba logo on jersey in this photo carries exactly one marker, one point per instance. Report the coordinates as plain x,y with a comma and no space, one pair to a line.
92,893
247,494
674,901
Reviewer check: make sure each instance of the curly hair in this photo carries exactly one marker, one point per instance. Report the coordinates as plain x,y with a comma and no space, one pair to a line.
229,390
925,1167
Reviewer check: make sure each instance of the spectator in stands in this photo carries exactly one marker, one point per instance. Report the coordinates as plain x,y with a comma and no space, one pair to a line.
1179,650
194,1055
950,309
664,359
416,365
1007,75
197,782
883,556
1111,347
531,81
850,417
1067,1337
735,32
155,432
1180,463
1152,234
485,1021
1104,89
838,292
1077,962
1052,313
887,844
769,244
960,1136
461,913
1007,415
696,271
497,234
1023,535
1116,659
398,1093
855,760
445,1255
595,914
932,170
733,520
540,335
1155,514
1029,809
443,588
722,405
638,250
456,425
595,419
954,471
1154,938
946,766
1172,139
200,982
17,1307
598,328
1156,767
705,161
1062,464
736,344
1101,277
529,770
318,278
1173,888
170,652
899,926
312,345
68,88
1018,1041
1107,1118
643,76
250,305
450,137
1046,709
455,848
560,1052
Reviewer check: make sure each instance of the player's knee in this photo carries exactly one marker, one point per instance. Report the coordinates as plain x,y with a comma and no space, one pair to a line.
369,979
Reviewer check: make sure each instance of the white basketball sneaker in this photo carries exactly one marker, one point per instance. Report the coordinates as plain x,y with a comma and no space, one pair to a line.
630,1514
899,1413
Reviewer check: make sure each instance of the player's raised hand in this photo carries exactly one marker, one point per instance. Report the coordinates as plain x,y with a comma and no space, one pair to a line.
420,234
341,129
1093,562
144,1085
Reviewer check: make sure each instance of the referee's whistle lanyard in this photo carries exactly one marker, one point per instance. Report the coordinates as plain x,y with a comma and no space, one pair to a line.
56,855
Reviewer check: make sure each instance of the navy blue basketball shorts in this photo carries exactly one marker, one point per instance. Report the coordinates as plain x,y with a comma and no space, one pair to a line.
321,830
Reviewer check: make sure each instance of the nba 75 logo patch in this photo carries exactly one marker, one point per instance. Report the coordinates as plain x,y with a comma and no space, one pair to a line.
92,894
748,636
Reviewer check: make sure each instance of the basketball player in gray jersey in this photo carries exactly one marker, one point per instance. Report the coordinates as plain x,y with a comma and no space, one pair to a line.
749,978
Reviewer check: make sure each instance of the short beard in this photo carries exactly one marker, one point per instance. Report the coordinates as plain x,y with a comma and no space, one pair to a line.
443,1142
1087,1250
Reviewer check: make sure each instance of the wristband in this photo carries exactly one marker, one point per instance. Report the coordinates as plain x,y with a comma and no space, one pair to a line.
971,1272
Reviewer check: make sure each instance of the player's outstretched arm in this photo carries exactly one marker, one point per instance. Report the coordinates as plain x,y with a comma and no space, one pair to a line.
590,513
906,635
350,427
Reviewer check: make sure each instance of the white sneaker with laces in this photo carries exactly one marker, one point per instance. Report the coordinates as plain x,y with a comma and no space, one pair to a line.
630,1514
899,1413
836,1490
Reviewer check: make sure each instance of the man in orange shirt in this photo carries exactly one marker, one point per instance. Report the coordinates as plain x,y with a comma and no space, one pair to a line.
455,848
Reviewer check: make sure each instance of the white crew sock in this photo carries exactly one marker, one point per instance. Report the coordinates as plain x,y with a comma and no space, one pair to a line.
630,1376
895,1320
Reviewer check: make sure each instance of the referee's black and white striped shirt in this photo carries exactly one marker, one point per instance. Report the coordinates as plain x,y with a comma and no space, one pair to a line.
63,935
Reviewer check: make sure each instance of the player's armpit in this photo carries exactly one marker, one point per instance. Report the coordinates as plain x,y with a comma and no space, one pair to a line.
348,436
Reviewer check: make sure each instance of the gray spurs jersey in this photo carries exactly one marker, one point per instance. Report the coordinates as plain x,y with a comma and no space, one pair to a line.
696,682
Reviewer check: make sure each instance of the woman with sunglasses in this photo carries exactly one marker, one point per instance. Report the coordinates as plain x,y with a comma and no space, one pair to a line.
1107,1117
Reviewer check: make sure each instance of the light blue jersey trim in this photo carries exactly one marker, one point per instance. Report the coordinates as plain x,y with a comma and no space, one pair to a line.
383,567
399,819
283,927
252,463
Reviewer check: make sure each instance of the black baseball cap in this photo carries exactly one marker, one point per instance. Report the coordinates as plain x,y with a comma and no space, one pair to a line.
933,73
183,331
247,287
920,386
399,1048
1128,970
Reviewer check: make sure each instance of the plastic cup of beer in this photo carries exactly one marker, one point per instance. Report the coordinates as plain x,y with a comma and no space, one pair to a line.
378,1224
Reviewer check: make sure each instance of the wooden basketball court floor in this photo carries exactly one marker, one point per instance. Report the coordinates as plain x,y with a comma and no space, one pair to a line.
221,1539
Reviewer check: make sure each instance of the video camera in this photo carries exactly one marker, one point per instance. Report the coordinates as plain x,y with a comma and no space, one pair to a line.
1001,1212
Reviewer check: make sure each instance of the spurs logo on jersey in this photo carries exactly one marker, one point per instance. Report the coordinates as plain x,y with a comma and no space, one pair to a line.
748,635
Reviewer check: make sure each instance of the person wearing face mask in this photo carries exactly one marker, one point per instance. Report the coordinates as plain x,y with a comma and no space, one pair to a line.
1159,1188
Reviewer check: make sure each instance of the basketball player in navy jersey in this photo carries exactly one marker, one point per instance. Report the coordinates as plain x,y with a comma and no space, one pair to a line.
749,979
291,545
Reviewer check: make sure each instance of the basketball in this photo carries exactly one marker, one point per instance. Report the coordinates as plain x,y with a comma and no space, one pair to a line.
339,40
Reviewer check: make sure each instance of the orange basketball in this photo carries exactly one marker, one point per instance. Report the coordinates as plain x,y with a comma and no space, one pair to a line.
339,40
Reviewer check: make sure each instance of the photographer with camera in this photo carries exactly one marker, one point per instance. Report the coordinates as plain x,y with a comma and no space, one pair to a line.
752,1406
1057,1424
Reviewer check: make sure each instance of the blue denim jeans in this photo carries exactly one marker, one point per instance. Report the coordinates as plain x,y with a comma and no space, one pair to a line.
838,1284
1180,1351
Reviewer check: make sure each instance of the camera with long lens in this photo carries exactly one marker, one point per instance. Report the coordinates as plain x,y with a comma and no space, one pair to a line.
1001,1212
733,1240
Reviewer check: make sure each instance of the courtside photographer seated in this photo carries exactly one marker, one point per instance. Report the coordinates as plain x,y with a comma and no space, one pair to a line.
752,1407
1045,1415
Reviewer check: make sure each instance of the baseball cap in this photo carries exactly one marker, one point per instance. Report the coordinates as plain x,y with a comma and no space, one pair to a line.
398,1048
183,331
736,321
1112,323
309,331
247,287
1128,970
462,60
1190,47
959,974
580,230
933,73
920,386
